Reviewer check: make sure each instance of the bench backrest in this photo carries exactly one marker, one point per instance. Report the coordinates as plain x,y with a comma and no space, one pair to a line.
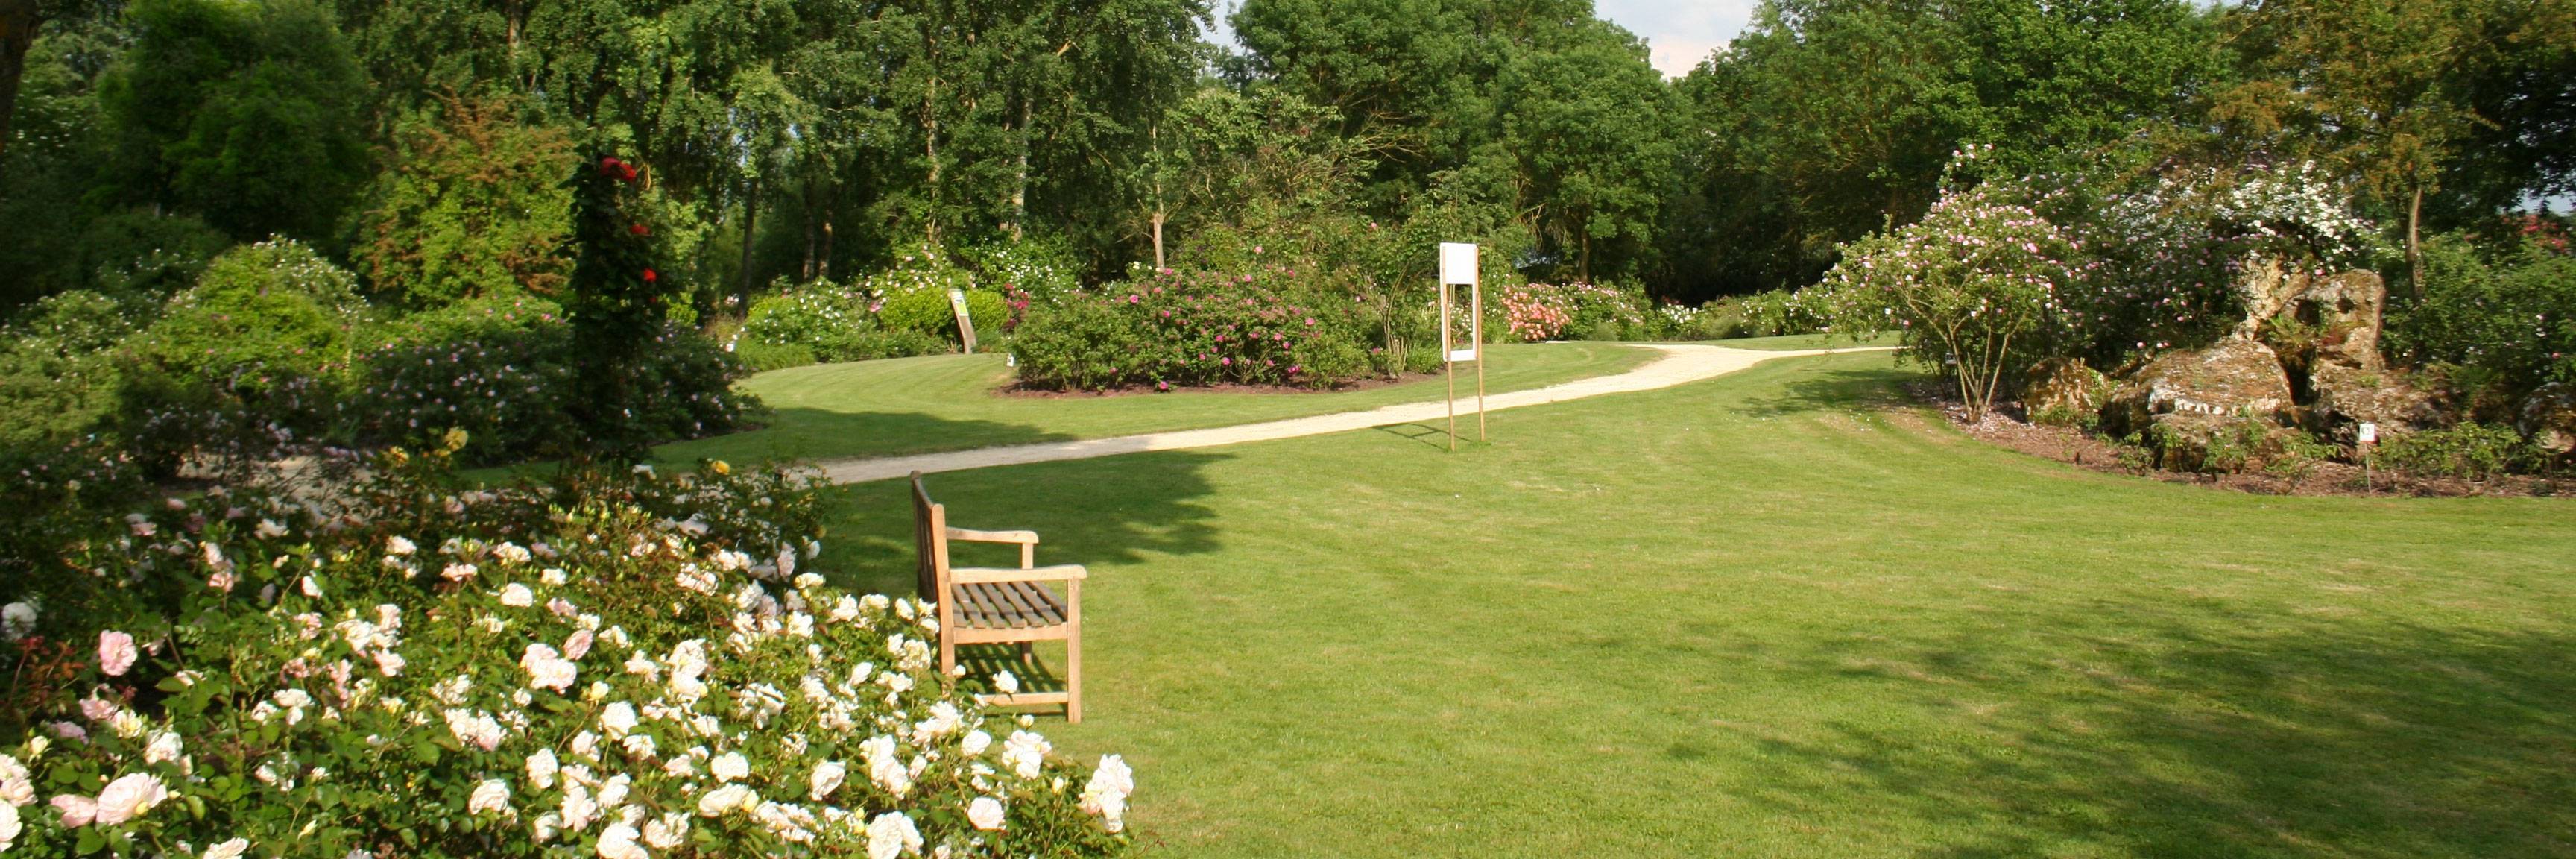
930,537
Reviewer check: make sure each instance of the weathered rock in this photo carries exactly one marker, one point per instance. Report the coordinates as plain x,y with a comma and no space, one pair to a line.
2266,288
2233,379
2549,418
2344,311
2061,388
2347,395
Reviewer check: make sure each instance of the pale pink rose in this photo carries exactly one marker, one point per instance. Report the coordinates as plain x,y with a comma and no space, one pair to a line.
69,731
578,645
77,810
116,652
97,709
129,797
222,580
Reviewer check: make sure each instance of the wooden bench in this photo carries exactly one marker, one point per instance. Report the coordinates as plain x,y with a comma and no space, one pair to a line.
981,605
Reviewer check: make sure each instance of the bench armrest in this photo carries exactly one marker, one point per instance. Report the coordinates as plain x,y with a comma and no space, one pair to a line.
990,575
1024,538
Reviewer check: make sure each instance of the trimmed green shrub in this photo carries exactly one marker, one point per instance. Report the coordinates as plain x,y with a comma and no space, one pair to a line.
930,313
249,358
1195,328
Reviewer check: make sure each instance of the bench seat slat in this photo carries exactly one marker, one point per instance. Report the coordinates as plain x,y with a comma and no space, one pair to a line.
1008,605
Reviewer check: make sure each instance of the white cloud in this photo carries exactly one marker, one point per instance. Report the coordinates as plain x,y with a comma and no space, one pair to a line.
1679,33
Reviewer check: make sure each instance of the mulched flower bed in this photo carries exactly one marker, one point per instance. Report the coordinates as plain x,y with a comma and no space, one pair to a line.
2006,426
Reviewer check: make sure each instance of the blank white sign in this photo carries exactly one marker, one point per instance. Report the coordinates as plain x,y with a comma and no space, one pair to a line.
1457,262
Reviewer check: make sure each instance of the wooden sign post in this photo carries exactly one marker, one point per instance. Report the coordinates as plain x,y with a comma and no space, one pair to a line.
965,321
1458,268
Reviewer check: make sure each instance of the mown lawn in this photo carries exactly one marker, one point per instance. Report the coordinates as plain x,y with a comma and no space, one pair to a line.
952,402
1761,616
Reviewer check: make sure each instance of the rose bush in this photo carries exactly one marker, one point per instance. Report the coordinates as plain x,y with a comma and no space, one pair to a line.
622,665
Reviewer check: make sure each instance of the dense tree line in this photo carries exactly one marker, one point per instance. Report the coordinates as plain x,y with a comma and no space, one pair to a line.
419,141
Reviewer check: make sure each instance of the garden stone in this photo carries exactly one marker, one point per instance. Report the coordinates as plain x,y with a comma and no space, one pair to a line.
2346,395
2345,310
2234,378
2062,386
2549,418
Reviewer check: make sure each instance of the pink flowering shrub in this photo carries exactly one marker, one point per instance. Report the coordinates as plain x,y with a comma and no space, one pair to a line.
1974,288
1555,311
1192,328
621,665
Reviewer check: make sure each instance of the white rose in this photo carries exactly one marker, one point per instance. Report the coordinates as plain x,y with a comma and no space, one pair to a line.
890,834
730,766
617,719
228,850
730,797
618,842
985,812
517,595
827,778
491,795
668,831
129,797
17,619
541,769
9,826
165,746
976,742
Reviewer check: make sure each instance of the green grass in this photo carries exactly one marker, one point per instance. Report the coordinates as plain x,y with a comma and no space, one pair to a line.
949,402
1759,616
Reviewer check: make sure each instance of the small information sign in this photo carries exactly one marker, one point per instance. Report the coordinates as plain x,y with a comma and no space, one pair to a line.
965,320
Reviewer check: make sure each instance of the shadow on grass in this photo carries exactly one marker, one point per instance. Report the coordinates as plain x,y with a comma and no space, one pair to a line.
1110,510
1424,433
804,433
2316,739
1849,391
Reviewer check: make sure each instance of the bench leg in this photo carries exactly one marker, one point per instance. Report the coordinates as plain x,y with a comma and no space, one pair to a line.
947,653
1073,653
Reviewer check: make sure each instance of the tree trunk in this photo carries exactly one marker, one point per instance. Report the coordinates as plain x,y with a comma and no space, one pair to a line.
930,149
2415,244
18,22
806,274
750,233
823,269
1020,180
1155,135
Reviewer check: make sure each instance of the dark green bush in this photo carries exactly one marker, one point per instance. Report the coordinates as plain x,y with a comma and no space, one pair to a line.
2471,451
1196,328
928,312
56,378
252,355
2507,309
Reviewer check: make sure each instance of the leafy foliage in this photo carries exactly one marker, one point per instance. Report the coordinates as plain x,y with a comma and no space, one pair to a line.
473,207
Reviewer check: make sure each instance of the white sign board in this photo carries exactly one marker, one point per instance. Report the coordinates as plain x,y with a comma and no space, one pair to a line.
1457,262
2369,433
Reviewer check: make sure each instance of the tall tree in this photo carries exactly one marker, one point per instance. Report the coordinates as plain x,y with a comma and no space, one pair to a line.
250,115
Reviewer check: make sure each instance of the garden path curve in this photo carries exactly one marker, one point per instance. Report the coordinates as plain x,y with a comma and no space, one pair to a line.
1680,364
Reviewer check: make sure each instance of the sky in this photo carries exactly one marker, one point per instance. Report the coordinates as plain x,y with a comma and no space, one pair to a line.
1679,32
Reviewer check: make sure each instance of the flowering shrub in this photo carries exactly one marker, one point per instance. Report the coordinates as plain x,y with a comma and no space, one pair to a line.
2164,258
618,665
1193,328
1971,287
501,370
1548,311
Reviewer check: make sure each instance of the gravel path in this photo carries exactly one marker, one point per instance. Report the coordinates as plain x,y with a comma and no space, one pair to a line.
1681,363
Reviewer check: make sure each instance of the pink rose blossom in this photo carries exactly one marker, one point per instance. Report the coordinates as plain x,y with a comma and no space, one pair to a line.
115,652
